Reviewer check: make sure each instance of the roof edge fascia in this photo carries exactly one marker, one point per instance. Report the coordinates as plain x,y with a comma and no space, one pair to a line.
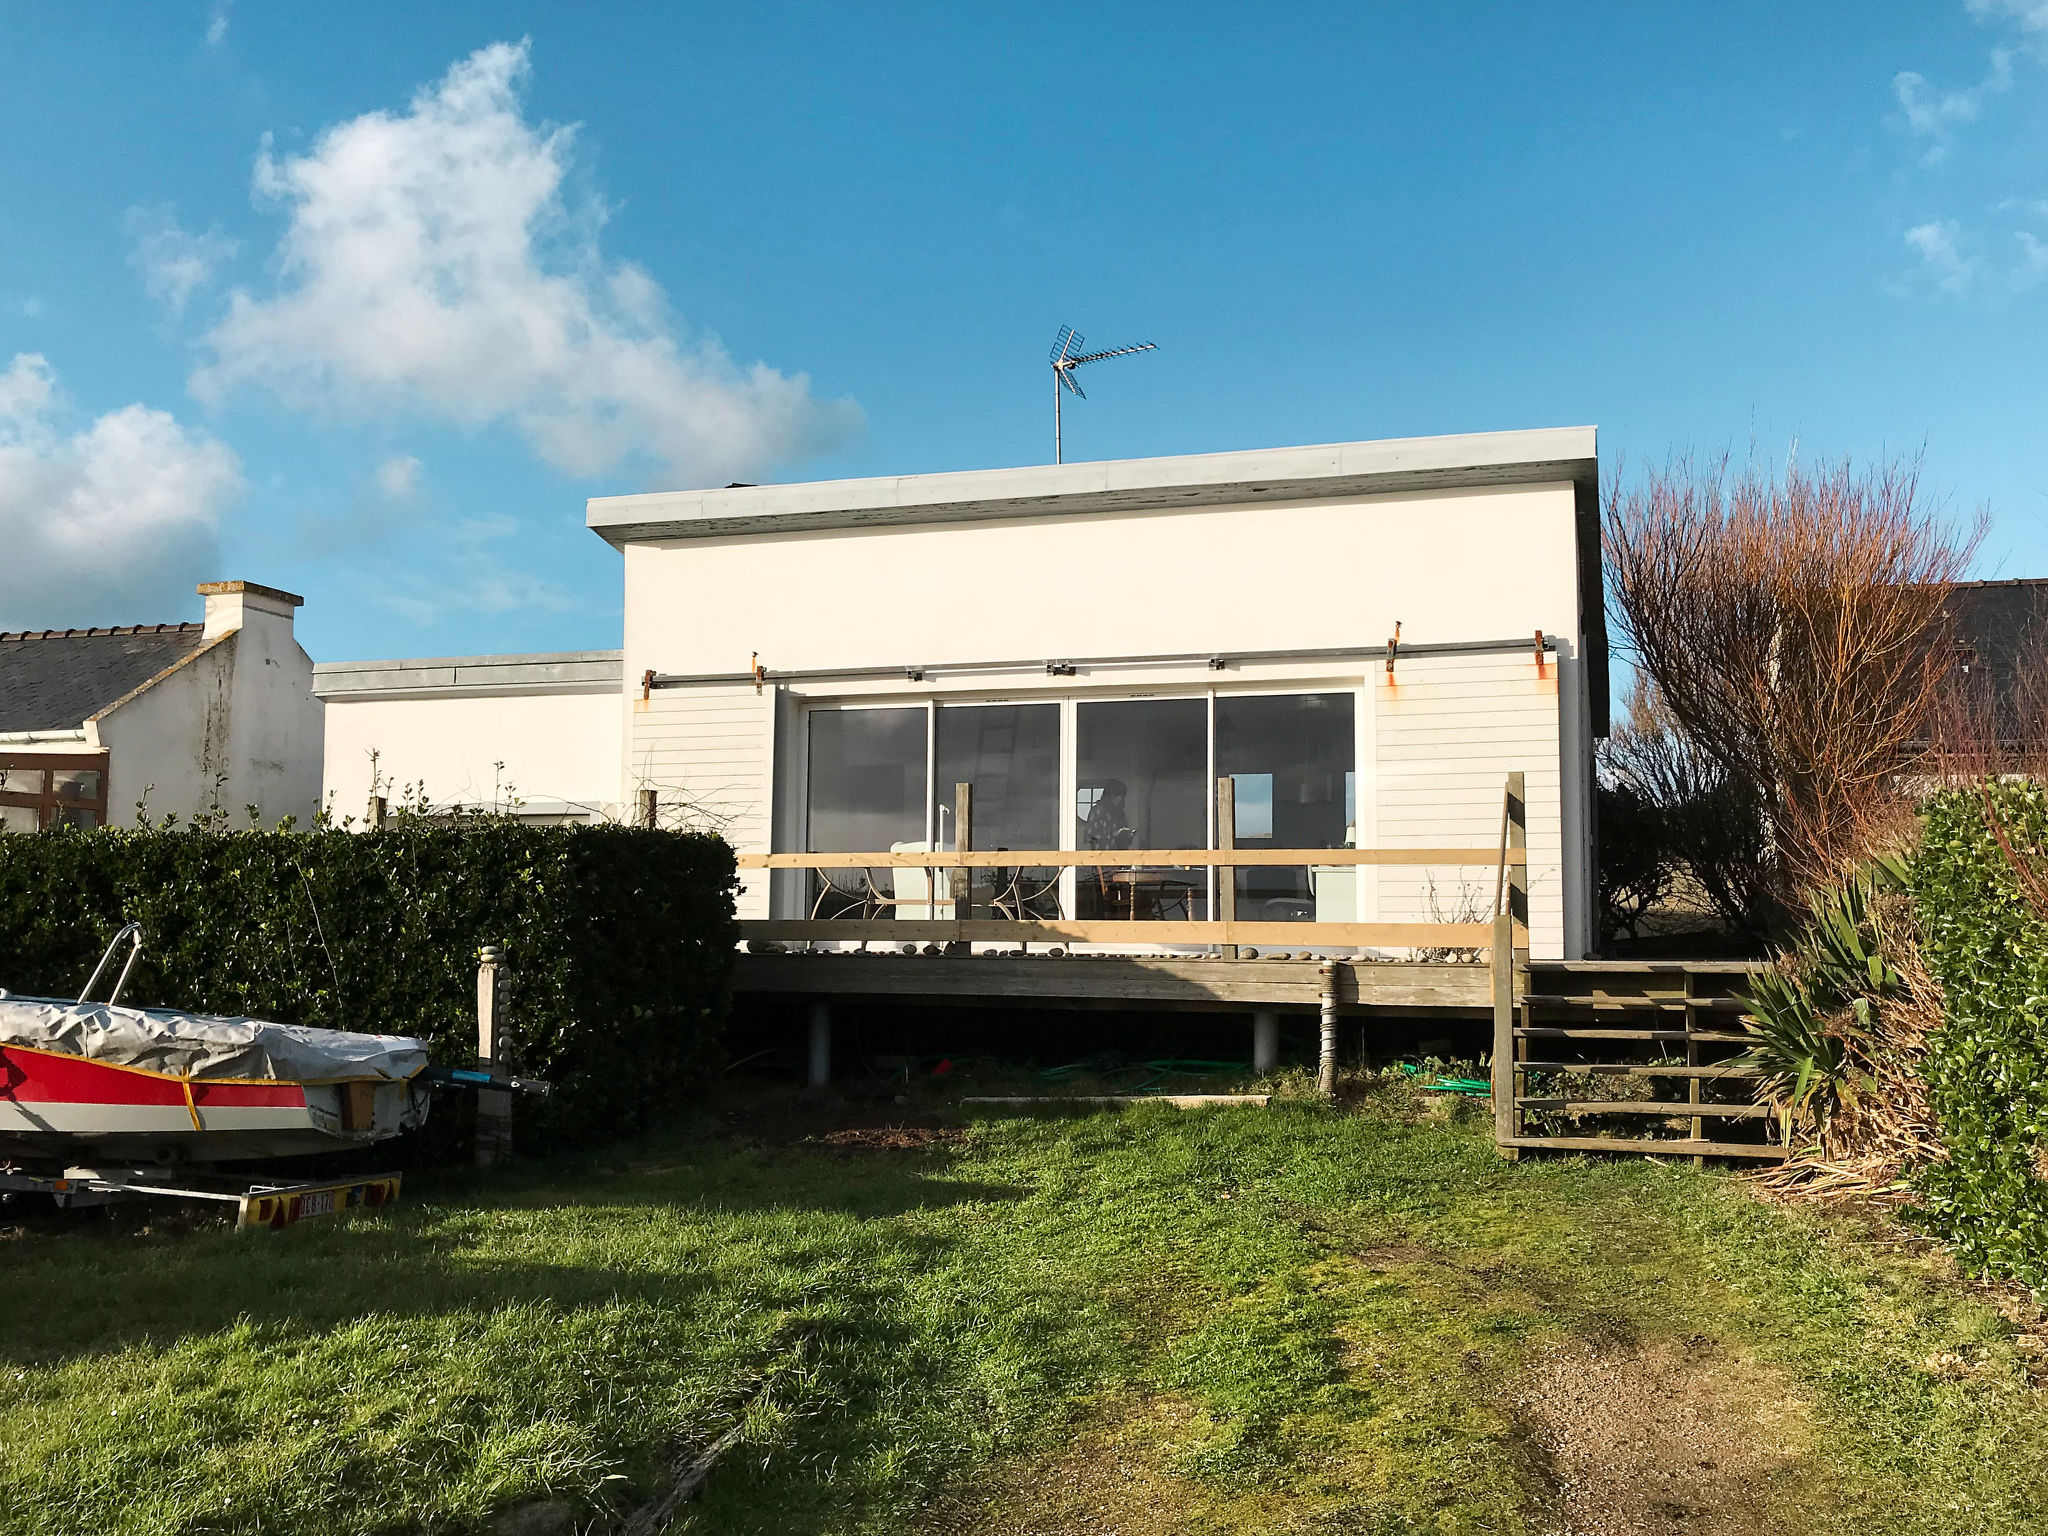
1269,475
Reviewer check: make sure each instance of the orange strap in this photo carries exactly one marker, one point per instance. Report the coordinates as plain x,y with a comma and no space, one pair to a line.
191,1104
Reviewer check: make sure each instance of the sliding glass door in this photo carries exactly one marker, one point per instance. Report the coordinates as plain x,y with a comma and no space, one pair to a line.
1290,758
1010,754
1141,771
866,794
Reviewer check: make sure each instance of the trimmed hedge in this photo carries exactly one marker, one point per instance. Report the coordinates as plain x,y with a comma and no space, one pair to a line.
1987,1067
619,942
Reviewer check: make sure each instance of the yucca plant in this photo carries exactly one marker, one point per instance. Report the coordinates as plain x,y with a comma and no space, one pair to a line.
1812,1015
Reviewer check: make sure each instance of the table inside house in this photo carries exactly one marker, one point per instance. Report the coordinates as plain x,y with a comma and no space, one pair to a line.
1153,893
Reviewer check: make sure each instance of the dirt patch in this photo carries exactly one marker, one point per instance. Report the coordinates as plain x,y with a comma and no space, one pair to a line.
1659,1440
889,1138
852,1124
1111,1478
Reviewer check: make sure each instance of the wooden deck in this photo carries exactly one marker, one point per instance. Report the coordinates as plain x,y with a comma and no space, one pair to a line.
1363,987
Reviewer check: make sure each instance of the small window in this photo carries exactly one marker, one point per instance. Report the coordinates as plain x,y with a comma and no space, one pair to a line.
75,785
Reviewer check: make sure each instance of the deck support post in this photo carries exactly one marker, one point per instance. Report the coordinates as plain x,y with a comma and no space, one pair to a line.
821,1045
1265,1041
1326,1064
493,1105
1500,959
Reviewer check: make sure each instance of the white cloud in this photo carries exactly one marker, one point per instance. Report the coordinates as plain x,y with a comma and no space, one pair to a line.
174,263
398,477
217,22
2032,15
1936,245
122,511
431,264
1934,115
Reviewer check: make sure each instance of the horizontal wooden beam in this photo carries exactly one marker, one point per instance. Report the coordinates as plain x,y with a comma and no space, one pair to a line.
1646,1144
1132,858
1142,931
1666,1109
1616,1069
1119,1100
1702,1036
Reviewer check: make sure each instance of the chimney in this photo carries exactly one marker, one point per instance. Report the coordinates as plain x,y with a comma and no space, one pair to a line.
231,605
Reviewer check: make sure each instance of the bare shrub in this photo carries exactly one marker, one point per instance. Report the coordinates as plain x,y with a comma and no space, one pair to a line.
1712,824
1794,629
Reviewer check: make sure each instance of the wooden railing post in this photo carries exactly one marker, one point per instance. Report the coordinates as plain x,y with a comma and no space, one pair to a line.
1518,870
1507,1122
493,1105
963,842
1506,961
1226,875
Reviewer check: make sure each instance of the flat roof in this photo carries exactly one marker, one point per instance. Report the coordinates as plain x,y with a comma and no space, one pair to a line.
534,672
1108,485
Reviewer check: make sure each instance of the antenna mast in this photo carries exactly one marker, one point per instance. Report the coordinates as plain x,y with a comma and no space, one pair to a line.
1066,357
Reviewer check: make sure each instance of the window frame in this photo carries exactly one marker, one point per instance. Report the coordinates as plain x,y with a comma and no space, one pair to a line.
44,800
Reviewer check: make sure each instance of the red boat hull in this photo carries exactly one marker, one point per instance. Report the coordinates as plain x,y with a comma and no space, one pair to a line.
57,1105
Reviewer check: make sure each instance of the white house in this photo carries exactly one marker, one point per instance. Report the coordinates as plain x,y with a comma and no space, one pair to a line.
176,717
532,736
1364,638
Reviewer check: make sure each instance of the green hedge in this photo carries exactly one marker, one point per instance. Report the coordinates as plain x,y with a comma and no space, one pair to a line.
1987,1068
619,941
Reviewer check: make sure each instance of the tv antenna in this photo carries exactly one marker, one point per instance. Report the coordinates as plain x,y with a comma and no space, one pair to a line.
1066,357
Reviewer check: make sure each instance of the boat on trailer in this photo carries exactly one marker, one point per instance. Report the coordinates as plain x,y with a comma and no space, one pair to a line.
100,1099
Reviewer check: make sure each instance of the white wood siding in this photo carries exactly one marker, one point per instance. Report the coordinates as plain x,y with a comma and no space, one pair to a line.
709,754
1447,732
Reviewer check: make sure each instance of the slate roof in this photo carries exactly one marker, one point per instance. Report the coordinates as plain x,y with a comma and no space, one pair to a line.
55,679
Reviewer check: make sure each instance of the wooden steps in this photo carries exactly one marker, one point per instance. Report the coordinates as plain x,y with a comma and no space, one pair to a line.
1641,1021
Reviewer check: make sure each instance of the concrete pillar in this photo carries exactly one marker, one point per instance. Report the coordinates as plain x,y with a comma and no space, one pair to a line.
1265,1041
821,1044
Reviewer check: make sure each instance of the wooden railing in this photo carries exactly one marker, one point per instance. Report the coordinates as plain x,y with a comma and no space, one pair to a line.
1505,931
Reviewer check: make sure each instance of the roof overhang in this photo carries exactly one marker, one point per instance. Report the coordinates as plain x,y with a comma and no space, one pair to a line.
548,672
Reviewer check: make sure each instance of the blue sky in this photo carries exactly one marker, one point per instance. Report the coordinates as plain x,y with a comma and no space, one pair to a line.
365,300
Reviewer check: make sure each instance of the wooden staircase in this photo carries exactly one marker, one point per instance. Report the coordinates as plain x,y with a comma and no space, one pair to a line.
1660,1027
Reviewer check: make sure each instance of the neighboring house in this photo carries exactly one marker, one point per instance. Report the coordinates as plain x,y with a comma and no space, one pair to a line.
2000,631
178,718
813,667
534,736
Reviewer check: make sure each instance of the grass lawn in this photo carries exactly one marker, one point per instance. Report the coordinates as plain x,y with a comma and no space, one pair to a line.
1152,1321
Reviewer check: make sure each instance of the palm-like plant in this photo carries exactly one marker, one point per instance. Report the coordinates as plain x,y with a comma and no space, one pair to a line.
1812,1015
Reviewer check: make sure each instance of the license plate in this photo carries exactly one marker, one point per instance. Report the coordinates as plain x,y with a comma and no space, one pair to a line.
282,1207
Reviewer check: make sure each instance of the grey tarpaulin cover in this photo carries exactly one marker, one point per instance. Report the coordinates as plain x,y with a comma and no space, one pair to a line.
202,1046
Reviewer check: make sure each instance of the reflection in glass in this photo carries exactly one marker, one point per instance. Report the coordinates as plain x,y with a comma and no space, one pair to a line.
18,818
1292,762
865,794
75,784
1010,753
1141,770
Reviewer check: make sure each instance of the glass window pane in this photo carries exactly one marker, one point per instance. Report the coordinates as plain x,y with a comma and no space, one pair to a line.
21,779
75,784
1296,755
75,816
1010,753
18,818
1141,775
867,780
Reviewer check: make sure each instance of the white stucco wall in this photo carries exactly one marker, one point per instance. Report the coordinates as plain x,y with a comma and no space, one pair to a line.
235,725
1450,566
558,749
